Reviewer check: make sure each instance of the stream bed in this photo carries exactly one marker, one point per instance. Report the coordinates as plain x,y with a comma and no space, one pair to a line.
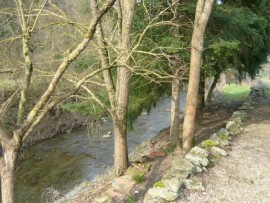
67,160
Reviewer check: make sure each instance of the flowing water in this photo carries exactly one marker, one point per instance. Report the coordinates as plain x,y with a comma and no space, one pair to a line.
69,159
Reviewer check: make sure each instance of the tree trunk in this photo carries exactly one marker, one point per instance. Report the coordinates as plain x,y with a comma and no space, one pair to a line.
10,155
122,87
175,111
203,11
201,93
120,146
212,87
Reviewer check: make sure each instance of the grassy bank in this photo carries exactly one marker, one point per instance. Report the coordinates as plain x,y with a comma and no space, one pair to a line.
235,92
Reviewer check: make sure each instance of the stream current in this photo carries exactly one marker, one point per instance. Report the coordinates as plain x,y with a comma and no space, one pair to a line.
67,160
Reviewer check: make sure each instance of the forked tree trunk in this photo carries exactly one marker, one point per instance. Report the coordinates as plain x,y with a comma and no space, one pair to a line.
212,87
175,111
203,11
10,154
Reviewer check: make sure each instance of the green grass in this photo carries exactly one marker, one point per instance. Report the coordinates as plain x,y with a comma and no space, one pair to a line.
138,178
234,92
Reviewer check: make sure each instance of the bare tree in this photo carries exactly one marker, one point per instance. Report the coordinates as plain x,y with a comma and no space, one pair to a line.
12,139
203,11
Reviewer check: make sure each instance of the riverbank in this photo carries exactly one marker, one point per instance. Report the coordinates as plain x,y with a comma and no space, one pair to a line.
156,152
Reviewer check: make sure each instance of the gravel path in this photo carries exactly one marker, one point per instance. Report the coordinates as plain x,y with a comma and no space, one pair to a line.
244,176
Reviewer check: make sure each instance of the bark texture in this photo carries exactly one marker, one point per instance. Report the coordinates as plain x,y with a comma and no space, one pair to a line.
175,111
122,87
201,96
212,87
203,11
176,83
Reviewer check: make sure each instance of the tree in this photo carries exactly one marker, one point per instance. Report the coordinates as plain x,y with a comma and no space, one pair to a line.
203,11
12,139
119,93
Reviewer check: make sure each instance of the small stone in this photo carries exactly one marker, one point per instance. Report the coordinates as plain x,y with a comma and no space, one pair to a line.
103,199
194,184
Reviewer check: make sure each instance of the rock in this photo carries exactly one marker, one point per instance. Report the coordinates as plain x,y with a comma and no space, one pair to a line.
138,169
197,160
164,193
172,173
199,151
233,127
223,139
104,199
198,156
173,184
194,184
207,144
223,132
150,199
199,169
238,116
123,184
108,135
243,107
183,165
217,152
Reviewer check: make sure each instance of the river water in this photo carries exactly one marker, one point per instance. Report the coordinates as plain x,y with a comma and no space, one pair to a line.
65,161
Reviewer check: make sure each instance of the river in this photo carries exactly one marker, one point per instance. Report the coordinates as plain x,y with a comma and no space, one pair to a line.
67,160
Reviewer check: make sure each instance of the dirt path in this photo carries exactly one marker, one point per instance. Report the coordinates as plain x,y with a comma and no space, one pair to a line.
244,176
